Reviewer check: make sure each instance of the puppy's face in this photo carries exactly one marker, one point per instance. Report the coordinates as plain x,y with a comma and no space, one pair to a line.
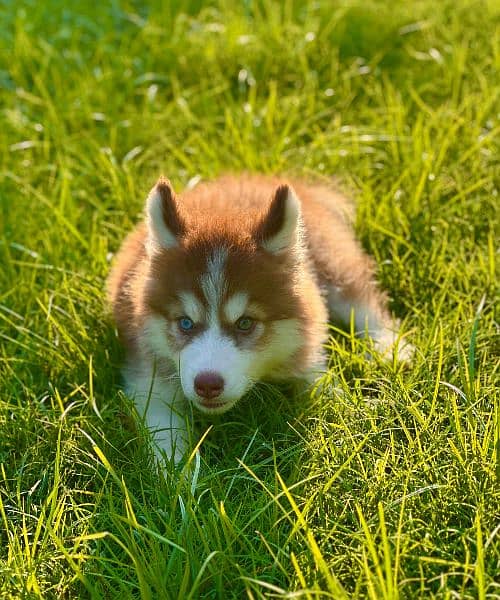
220,298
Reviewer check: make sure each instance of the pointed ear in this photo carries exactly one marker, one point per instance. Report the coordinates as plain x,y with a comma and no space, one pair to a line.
165,223
279,228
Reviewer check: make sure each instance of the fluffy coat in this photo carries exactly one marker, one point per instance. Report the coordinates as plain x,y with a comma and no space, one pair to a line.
231,283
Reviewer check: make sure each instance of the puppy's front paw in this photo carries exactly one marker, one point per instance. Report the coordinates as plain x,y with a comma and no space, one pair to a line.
170,449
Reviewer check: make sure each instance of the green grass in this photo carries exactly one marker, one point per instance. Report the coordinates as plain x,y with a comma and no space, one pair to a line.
389,491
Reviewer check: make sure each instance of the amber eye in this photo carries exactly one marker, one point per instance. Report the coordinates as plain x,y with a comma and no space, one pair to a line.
245,324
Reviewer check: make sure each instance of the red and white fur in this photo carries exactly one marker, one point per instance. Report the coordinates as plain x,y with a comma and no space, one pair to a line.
232,283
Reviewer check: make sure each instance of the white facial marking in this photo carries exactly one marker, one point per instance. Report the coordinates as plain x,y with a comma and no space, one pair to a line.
154,337
235,307
216,353
290,230
285,340
192,307
159,234
213,351
213,283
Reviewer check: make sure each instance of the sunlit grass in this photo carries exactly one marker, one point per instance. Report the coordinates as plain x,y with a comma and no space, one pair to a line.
383,484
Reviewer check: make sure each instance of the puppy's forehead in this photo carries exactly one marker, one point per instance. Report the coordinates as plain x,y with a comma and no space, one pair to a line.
217,281
221,303
213,280
206,296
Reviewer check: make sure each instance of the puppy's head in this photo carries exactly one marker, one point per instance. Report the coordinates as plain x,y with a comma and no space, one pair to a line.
222,302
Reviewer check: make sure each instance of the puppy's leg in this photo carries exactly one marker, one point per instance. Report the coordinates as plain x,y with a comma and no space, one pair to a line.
348,275
363,302
160,403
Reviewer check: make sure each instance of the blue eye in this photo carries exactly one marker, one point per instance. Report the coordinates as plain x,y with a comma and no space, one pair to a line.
185,324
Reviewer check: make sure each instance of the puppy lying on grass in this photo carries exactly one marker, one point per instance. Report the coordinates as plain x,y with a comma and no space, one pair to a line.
231,283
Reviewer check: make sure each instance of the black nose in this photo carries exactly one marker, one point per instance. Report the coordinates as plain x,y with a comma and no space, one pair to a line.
208,385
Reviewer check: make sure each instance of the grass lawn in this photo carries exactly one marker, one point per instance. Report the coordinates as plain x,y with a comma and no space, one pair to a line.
388,491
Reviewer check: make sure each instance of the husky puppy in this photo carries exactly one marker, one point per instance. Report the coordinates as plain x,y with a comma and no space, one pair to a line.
231,283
